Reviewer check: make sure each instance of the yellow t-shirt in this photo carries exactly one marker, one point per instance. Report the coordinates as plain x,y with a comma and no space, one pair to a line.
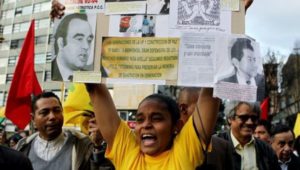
185,154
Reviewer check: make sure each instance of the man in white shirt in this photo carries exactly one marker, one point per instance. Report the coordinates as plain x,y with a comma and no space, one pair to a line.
248,152
52,147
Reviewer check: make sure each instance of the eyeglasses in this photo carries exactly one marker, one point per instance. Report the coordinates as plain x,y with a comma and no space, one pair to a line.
244,118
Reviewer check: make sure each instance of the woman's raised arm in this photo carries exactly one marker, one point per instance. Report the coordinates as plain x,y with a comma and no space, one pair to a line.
106,114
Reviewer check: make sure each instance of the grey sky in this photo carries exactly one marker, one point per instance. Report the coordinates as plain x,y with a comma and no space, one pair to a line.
275,24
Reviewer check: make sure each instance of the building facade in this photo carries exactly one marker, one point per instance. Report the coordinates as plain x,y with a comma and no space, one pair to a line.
290,94
15,20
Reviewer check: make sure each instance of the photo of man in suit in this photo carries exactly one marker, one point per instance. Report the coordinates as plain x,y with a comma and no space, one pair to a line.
245,64
72,46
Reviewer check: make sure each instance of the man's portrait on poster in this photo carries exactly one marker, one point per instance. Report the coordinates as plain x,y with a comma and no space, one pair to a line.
246,64
73,46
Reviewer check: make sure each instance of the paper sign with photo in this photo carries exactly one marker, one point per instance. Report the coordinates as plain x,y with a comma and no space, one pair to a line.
241,70
73,48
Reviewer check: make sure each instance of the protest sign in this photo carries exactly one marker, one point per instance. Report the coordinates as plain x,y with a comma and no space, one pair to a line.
73,48
200,16
140,58
239,71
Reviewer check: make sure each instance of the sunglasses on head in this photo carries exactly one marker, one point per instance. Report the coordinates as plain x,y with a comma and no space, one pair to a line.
244,118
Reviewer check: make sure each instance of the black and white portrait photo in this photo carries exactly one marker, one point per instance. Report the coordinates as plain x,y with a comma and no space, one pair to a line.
247,66
73,48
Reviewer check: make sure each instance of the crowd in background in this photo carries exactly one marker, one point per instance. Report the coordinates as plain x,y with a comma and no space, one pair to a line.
168,134
12,138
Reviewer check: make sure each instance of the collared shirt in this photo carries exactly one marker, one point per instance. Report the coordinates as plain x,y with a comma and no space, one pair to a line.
243,81
65,71
247,153
46,150
284,165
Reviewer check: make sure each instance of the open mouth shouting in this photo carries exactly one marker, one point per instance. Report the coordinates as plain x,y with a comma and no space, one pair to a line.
148,140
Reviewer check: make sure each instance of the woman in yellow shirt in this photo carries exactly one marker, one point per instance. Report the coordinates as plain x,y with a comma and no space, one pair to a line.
155,142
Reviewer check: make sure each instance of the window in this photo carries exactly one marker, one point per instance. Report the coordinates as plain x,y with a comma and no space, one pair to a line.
51,39
48,57
25,10
2,78
47,76
123,115
16,43
40,7
40,39
16,28
7,14
18,12
24,26
4,45
4,98
3,62
40,58
1,98
12,60
9,78
66,94
7,29
58,93
8,1
20,27
1,29
51,24
131,115
42,23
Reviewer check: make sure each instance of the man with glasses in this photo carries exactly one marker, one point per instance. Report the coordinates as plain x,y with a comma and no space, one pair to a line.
249,152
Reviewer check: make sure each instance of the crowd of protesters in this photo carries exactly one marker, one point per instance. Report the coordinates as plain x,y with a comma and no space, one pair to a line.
158,140
13,138
168,134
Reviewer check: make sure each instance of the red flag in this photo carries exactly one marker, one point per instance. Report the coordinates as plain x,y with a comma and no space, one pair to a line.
23,85
264,109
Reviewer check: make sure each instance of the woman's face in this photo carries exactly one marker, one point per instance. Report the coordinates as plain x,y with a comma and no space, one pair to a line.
154,128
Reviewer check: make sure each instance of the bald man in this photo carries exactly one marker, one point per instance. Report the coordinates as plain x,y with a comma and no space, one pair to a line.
220,157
